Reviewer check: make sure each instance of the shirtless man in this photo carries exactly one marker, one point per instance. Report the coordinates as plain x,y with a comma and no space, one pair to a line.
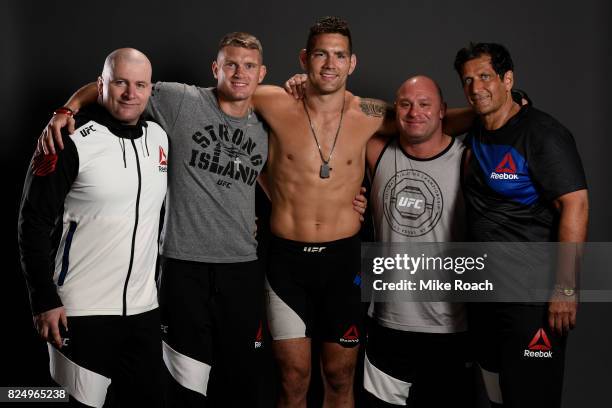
316,161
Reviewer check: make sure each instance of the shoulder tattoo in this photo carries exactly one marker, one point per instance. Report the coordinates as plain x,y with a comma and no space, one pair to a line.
374,107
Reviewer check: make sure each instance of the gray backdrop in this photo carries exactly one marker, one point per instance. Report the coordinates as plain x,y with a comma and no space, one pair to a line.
561,51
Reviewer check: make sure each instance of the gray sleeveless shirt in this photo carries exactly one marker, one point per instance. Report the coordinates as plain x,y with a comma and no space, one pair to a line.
418,200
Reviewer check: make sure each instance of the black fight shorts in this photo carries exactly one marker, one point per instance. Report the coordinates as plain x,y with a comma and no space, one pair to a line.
313,290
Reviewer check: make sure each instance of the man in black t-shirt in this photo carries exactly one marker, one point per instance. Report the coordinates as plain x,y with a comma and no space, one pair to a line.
523,182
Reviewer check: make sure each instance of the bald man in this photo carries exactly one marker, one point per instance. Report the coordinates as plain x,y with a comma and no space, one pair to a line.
416,352
95,300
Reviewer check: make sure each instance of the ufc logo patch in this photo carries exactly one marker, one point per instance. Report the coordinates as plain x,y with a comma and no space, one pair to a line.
314,249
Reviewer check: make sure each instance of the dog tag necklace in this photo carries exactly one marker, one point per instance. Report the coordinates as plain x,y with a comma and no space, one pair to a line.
325,169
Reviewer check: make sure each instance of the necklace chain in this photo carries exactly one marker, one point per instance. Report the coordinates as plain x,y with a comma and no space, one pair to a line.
325,169
236,159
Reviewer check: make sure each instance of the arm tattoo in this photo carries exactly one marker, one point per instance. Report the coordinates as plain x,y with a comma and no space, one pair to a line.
376,108
372,107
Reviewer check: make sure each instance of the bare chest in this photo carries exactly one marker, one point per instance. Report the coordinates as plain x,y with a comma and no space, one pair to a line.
308,145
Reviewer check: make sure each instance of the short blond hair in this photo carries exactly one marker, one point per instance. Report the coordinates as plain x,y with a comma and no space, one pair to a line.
241,39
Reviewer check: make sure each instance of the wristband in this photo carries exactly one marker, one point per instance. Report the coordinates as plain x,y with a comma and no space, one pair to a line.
64,110
565,291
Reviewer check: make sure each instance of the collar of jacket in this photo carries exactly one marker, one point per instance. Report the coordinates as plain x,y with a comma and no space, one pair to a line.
97,113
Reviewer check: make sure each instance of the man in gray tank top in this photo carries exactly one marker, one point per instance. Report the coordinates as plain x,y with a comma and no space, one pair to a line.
416,351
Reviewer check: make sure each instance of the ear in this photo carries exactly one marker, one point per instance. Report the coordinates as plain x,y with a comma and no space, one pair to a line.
304,59
100,84
509,80
443,107
353,63
215,68
262,73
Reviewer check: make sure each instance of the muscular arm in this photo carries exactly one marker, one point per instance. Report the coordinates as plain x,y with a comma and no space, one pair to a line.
573,208
380,109
374,149
86,95
457,121
574,212
267,97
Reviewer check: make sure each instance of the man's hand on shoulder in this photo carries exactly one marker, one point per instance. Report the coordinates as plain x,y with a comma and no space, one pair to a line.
62,117
47,325
296,86
52,133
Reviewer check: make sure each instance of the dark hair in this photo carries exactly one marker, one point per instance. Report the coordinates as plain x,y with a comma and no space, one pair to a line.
240,39
329,25
501,61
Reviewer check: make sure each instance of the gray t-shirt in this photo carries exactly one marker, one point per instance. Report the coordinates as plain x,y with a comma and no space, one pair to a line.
416,200
213,164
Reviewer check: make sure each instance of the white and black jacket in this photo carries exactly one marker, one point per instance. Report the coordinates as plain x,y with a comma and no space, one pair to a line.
103,194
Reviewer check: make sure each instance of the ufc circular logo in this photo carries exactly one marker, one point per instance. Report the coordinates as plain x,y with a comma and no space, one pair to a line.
412,203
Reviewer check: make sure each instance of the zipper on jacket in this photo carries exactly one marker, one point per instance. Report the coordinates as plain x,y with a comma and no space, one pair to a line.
127,279
65,255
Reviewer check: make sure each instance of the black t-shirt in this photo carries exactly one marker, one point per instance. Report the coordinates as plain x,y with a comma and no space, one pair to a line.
514,174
